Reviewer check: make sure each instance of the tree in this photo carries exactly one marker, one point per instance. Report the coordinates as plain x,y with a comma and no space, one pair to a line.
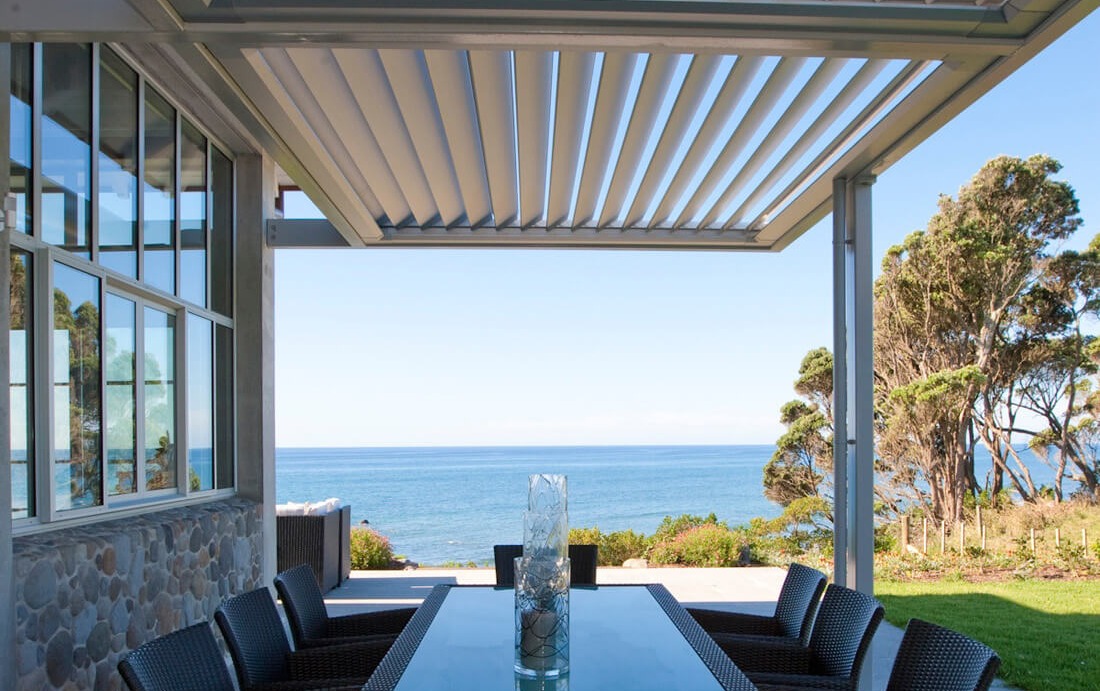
951,329
802,463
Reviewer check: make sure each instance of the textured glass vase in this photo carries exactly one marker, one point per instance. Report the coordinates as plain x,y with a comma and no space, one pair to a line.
542,617
546,521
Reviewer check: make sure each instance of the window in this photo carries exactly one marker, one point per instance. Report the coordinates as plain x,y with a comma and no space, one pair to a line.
159,193
21,345
118,132
221,233
66,131
120,363
76,362
160,399
193,215
127,219
200,402
22,119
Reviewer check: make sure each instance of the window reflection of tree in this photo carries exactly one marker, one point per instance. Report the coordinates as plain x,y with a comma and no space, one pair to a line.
160,460
82,325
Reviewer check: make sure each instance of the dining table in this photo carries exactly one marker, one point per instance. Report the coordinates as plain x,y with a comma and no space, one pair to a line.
630,637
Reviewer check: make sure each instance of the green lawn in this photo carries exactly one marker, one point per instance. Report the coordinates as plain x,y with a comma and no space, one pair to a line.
1046,632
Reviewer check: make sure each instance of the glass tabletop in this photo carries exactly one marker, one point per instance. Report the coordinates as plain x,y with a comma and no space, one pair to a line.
620,638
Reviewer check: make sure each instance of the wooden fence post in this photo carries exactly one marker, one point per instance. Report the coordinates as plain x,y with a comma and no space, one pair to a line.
924,537
983,538
904,534
1084,539
1057,537
943,537
962,536
1033,540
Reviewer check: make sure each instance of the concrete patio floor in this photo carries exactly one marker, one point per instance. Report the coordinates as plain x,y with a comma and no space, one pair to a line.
751,590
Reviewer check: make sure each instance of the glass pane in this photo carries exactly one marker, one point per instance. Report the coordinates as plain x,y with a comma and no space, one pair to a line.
200,403
224,453
22,78
118,110
78,465
119,409
159,193
193,215
22,401
66,155
160,399
221,234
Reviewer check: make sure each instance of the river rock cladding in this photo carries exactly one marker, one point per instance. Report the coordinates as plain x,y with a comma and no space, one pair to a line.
86,595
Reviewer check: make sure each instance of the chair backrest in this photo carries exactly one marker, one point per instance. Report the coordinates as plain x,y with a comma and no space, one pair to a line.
842,633
184,660
798,601
303,603
932,658
254,633
582,563
503,556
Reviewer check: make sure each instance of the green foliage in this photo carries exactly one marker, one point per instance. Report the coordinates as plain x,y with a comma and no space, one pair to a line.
671,527
708,544
803,455
369,550
615,547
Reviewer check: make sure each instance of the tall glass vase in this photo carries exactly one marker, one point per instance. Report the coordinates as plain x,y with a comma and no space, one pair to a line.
542,617
546,521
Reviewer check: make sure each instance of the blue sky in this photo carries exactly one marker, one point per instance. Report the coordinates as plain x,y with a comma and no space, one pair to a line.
565,347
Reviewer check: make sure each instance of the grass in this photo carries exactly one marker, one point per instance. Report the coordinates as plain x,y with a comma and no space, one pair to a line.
1046,632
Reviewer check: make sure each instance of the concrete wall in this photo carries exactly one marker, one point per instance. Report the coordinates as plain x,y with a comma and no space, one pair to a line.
86,595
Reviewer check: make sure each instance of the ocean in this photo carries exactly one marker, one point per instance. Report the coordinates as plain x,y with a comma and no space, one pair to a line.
452,504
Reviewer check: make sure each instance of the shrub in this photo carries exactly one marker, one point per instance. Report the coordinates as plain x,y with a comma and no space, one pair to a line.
585,536
369,550
671,527
708,544
617,547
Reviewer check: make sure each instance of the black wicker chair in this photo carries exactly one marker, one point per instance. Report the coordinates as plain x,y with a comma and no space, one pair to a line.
185,660
582,563
833,659
794,610
310,624
263,659
932,658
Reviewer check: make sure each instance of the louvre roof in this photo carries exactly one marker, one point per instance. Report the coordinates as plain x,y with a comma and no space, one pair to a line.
580,123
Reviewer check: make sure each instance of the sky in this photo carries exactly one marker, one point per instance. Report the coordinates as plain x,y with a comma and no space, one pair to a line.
465,347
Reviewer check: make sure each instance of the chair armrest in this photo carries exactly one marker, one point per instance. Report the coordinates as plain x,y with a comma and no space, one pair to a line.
765,655
354,661
387,621
310,685
718,621
311,643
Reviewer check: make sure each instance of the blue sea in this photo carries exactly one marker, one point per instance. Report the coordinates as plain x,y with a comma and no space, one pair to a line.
452,504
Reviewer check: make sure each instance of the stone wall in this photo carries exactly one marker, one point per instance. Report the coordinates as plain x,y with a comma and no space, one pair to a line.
86,595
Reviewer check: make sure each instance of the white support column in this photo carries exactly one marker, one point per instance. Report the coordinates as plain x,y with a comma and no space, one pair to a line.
853,385
254,323
7,589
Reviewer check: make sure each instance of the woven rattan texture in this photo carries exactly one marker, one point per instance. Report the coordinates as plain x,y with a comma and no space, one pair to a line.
185,660
582,563
391,668
932,658
712,656
798,600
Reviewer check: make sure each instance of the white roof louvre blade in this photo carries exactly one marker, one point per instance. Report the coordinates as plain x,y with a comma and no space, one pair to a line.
412,86
574,87
367,78
491,72
778,84
659,72
336,104
858,84
826,72
716,123
450,74
692,93
618,73
267,65
534,70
